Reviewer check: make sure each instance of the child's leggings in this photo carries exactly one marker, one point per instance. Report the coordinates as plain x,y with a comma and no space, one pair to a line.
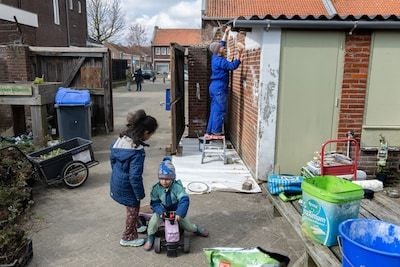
130,232
156,220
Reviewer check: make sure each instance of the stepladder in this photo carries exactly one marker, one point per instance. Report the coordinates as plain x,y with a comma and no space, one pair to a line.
215,147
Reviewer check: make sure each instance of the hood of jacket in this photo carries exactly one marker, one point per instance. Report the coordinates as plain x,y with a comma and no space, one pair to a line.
124,148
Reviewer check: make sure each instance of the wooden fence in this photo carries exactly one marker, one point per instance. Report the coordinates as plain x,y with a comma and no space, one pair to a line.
79,68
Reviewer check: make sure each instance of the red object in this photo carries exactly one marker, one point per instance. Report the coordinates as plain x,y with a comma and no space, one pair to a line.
213,137
340,169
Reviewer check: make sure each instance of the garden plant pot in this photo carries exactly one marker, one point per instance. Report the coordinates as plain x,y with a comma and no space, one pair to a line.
24,256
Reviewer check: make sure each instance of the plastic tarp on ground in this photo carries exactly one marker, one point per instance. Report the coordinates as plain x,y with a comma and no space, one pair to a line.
238,257
213,174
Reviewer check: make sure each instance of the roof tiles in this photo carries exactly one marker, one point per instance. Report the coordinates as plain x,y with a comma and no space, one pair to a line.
367,7
303,9
184,37
237,8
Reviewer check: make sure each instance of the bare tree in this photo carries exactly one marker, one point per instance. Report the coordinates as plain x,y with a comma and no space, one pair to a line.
137,35
106,19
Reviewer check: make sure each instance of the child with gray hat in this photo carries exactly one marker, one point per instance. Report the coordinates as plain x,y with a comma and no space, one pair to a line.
169,195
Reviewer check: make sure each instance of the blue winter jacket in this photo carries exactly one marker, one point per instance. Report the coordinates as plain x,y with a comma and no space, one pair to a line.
126,185
173,198
220,68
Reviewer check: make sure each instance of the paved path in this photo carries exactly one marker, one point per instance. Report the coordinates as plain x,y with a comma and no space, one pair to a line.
82,227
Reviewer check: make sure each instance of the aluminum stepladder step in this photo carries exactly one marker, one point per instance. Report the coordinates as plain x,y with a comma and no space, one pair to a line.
214,147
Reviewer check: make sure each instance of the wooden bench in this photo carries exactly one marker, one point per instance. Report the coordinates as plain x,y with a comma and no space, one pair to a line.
381,207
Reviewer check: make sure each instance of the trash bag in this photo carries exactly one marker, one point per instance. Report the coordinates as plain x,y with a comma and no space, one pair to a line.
239,257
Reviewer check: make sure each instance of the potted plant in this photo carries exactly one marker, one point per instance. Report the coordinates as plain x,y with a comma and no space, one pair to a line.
15,200
382,156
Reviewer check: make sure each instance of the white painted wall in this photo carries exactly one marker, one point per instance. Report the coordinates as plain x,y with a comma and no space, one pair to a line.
23,17
268,101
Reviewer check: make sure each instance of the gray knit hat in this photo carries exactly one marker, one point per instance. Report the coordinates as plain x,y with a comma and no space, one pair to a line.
167,169
214,47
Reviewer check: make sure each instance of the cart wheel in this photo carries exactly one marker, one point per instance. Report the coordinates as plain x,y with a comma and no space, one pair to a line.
157,245
75,174
186,244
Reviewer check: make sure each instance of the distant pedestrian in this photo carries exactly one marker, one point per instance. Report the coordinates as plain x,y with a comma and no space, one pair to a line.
139,79
154,78
127,161
129,79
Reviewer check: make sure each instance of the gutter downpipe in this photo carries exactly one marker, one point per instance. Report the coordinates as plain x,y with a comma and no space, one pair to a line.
317,24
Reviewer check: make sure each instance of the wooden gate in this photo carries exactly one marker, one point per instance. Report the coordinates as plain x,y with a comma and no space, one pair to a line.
177,95
79,67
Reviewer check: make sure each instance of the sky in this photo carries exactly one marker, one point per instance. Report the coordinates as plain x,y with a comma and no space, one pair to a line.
163,13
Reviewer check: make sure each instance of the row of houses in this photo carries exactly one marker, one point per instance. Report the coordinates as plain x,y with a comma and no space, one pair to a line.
66,20
157,56
61,25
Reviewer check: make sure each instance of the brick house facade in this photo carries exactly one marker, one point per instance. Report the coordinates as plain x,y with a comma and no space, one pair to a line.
41,29
67,27
161,41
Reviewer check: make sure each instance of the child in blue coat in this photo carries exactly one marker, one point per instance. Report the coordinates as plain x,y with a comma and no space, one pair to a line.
127,160
169,195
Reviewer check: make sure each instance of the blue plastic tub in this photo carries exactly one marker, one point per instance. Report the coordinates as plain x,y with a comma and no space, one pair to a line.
370,243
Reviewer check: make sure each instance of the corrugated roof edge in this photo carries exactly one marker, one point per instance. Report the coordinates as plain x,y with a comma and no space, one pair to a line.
323,17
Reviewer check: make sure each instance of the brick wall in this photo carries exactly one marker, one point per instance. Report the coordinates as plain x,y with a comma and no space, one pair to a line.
78,24
243,113
368,161
352,104
59,36
199,73
243,102
14,66
355,76
9,33
14,63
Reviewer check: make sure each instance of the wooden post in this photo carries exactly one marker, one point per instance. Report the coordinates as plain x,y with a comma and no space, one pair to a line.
39,124
18,117
108,107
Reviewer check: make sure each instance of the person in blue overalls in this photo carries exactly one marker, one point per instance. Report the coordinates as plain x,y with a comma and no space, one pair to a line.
218,89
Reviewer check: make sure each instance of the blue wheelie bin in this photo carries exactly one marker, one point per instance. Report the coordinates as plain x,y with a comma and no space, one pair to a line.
73,113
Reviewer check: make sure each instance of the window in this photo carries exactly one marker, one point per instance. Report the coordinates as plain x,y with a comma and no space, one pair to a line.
157,51
163,51
168,51
56,12
79,7
71,5
162,68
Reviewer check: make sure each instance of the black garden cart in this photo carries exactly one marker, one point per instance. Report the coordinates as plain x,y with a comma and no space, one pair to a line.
67,161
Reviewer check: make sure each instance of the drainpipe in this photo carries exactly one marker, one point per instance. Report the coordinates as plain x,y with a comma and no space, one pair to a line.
317,24
67,19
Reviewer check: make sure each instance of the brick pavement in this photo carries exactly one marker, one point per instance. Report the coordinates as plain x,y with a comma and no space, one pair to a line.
82,227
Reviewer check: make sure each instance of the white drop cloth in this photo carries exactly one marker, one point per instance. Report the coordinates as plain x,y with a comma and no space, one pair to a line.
214,173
